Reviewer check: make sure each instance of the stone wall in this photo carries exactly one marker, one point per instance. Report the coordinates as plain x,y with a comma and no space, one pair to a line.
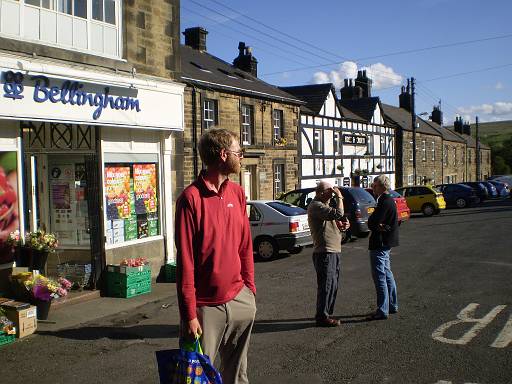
428,169
261,155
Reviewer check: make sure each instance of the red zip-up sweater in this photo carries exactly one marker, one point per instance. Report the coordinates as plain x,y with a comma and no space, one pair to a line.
214,246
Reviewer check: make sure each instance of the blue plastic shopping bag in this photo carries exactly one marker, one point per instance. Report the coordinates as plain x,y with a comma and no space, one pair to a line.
186,366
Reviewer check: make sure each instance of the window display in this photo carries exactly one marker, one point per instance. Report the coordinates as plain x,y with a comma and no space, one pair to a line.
131,200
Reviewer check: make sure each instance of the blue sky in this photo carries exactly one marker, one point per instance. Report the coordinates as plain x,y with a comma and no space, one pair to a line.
339,37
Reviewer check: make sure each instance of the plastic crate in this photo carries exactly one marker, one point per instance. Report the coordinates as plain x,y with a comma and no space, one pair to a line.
134,278
170,273
127,291
6,339
123,269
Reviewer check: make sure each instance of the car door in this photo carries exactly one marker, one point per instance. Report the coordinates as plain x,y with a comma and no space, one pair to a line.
414,200
255,219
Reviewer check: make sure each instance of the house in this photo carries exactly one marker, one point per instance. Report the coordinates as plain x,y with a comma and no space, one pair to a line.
463,130
90,112
346,142
220,94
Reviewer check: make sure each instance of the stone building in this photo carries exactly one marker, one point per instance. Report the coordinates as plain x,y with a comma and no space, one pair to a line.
90,111
219,94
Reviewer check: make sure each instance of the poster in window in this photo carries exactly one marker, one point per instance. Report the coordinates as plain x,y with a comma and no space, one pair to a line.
144,183
9,217
117,190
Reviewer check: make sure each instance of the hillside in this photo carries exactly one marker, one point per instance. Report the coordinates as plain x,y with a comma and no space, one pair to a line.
493,133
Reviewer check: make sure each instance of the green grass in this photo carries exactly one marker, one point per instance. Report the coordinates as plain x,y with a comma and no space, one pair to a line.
493,133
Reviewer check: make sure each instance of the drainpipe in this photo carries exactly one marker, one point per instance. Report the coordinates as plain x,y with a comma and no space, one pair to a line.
194,132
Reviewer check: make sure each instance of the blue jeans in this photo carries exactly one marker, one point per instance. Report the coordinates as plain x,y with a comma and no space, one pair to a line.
327,266
384,281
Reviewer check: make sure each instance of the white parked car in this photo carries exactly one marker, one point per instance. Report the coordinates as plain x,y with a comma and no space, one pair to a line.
276,226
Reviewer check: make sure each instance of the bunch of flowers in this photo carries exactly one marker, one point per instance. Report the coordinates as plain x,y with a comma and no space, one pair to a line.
14,239
41,241
45,289
134,262
281,141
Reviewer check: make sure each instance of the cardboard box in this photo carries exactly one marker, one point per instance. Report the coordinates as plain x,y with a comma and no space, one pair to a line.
117,223
24,319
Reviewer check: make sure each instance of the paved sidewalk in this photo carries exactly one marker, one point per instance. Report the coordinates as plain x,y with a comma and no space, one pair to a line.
73,314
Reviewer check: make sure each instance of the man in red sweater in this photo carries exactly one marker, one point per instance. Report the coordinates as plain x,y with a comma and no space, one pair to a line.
215,265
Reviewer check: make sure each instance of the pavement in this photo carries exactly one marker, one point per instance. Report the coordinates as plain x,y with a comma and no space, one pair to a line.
84,310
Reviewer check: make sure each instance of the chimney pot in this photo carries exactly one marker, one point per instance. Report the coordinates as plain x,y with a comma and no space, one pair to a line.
195,38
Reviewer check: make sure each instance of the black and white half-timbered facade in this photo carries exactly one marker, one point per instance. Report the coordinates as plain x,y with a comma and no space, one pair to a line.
347,145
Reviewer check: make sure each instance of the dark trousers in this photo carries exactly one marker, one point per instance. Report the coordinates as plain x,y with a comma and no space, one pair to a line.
327,266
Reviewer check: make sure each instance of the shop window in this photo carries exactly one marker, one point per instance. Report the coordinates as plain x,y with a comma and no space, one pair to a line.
92,26
132,201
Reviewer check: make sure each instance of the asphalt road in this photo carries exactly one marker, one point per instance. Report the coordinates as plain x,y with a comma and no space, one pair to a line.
459,260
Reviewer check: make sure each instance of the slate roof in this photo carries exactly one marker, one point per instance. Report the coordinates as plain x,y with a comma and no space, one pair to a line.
314,95
470,140
204,69
402,118
364,107
445,132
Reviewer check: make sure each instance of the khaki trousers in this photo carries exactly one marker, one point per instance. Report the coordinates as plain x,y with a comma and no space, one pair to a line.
227,331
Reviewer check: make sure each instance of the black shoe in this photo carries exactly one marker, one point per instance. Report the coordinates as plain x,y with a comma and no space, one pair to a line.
327,322
393,311
376,316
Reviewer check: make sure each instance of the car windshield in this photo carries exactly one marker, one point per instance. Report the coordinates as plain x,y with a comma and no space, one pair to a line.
286,209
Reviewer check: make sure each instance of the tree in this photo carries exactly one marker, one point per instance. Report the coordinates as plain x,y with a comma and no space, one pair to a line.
499,166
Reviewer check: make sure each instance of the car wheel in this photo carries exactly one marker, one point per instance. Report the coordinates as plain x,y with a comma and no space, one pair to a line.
461,202
295,250
266,248
346,236
428,210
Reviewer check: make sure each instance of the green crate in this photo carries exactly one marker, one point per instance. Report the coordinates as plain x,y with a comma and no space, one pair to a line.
127,280
6,339
118,290
170,273
124,270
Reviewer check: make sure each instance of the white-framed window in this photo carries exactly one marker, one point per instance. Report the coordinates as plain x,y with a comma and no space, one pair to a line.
369,145
336,143
89,26
469,156
445,155
455,156
247,121
277,123
433,151
209,113
383,148
410,179
318,141
279,182
424,150
411,158
319,167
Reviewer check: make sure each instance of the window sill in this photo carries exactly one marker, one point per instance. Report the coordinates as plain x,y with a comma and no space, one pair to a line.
133,242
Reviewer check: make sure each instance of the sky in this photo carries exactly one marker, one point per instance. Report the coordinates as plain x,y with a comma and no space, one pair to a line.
434,41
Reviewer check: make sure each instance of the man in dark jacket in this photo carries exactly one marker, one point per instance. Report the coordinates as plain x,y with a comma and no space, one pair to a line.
384,226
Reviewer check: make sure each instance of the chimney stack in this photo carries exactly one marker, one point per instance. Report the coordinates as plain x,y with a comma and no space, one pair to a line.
458,125
405,98
437,115
466,127
364,82
245,60
195,38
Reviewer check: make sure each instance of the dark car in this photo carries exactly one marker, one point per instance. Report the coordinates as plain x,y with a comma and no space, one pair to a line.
493,193
358,204
458,195
480,189
501,187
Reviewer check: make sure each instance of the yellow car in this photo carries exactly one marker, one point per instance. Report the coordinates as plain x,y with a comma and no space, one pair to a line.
423,198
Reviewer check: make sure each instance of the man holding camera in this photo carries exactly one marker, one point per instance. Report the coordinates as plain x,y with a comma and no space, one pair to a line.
326,223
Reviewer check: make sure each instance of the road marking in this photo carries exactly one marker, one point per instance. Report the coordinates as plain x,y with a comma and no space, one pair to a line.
466,316
505,336
449,382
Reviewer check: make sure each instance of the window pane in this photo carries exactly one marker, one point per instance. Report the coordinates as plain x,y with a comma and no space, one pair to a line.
81,8
110,11
97,10
37,3
64,6
48,4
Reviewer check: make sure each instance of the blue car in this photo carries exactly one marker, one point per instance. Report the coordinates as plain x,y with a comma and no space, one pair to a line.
479,188
501,187
493,193
458,195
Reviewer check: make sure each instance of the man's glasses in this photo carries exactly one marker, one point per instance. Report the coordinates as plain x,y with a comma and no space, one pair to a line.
239,154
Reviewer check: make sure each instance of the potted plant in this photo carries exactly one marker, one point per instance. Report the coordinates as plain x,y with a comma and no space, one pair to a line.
364,172
40,244
378,166
339,167
281,142
43,290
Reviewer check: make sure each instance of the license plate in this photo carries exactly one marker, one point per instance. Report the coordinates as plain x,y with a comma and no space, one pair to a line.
305,226
370,210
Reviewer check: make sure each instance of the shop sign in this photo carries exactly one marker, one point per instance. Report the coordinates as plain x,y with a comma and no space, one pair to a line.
68,92
355,140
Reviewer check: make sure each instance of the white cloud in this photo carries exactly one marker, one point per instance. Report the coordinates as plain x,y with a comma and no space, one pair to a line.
499,86
500,110
381,75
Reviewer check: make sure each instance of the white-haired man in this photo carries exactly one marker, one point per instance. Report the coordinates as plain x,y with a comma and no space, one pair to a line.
384,226
326,226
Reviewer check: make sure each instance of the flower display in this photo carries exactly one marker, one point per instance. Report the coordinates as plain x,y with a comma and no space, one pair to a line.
46,289
134,262
281,141
41,241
